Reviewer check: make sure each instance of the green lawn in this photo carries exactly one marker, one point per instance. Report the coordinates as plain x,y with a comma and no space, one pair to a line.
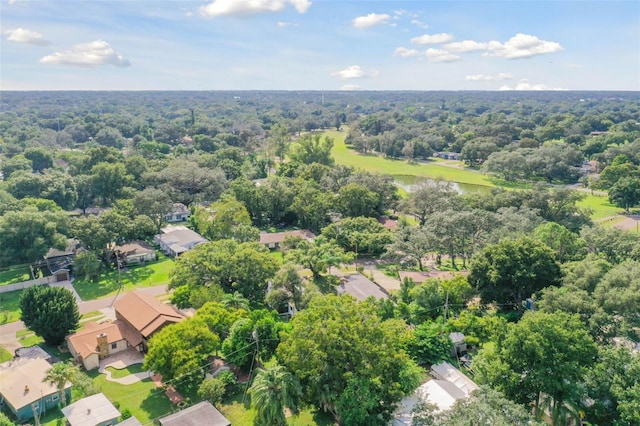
242,414
5,355
143,399
29,339
120,373
10,306
148,275
343,154
600,206
14,274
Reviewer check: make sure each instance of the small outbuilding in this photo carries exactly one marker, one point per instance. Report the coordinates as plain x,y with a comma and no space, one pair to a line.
200,414
94,410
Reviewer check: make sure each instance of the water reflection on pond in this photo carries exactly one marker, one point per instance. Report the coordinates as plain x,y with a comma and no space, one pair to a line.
410,182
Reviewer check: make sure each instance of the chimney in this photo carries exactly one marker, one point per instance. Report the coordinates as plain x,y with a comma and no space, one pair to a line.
26,389
103,345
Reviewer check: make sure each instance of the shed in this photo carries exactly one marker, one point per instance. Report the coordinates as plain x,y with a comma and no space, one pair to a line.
94,410
200,414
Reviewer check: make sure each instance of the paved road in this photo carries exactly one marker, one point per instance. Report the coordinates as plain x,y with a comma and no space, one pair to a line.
8,331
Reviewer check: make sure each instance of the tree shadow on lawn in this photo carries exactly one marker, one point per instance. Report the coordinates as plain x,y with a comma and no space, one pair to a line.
157,404
109,282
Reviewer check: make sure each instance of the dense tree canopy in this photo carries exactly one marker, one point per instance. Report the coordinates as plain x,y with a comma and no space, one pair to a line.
50,312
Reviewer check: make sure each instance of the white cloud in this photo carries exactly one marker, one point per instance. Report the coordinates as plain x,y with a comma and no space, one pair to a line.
526,85
20,35
14,1
406,53
350,87
419,24
466,46
353,71
517,47
282,24
250,7
483,77
92,54
440,55
523,46
370,20
433,38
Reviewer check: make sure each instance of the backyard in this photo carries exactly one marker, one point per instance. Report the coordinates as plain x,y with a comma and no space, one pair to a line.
14,274
10,306
147,275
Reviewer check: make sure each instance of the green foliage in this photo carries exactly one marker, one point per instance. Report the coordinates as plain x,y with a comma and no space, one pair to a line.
257,335
512,270
337,345
288,287
155,204
312,149
227,218
86,265
220,318
5,421
625,192
365,233
317,255
566,244
274,389
181,349
212,390
50,312
232,266
430,344
180,297
544,353
59,375
356,200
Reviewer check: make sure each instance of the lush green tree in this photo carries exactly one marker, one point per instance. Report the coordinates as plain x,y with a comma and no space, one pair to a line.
84,188
512,270
356,200
311,148
227,218
254,336
27,235
364,235
484,407
219,318
566,244
274,389
59,375
180,349
232,266
14,164
5,421
428,198
155,204
544,354
50,312
411,243
625,192
109,136
59,187
212,390
40,158
86,265
618,293
23,184
279,140
312,207
108,180
288,287
317,255
348,361
430,344
187,182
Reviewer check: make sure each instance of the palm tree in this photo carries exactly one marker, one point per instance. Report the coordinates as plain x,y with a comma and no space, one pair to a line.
273,390
235,300
59,375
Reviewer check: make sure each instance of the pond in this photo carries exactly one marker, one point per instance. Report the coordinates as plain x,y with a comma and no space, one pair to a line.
410,182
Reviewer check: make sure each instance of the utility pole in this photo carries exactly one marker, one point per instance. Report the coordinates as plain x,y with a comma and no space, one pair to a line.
446,306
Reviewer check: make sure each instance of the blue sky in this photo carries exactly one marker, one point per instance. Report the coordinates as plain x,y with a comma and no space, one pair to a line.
319,45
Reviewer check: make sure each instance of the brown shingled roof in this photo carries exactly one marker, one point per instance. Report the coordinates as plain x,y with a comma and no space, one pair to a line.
146,313
85,340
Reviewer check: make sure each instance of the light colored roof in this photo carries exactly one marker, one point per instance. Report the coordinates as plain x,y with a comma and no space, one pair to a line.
451,374
33,352
441,393
131,421
358,286
90,411
133,248
181,236
146,313
420,277
200,414
21,382
278,237
85,341
179,208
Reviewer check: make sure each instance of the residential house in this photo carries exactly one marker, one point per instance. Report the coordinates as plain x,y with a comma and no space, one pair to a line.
447,155
23,392
447,386
273,240
60,262
175,240
136,252
98,341
358,286
94,410
199,414
145,314
179,213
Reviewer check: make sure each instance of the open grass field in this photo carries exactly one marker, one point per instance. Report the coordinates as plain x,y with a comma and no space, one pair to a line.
600,206
242,414
148,275
451,171
123,372
10,306
14,274
143,399
5,355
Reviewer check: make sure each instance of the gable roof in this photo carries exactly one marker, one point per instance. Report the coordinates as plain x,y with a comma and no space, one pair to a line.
441,393
202,413
146,313
90,411
180,236
278,237
85,341
358,286
21,382
135,247
448,372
